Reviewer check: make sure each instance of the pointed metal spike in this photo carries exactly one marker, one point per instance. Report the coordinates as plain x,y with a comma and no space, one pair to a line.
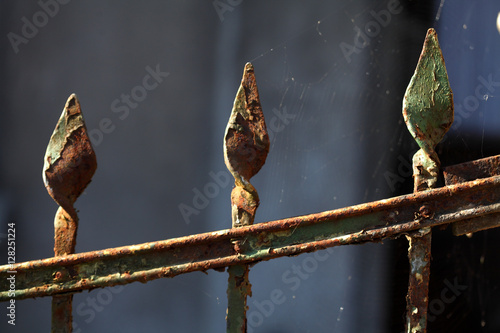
428,101
428,110
69,161
68,167
246,145
428,113
246,142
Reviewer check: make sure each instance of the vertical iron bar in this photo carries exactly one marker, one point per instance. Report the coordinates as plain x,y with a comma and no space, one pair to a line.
428,113
65,227
69,165
246,145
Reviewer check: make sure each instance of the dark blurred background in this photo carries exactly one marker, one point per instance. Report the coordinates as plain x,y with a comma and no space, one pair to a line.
331,76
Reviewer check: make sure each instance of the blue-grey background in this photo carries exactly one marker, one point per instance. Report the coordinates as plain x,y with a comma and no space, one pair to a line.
343,142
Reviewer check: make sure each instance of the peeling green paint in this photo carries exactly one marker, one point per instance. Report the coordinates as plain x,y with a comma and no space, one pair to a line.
428,113
69,164
368,222
238,285
246,145
71,119
428,109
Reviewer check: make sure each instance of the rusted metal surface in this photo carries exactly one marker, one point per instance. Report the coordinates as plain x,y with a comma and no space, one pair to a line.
368,222
70,161
69,165
417,299
428,113
456,174
238,289
428,110
246,145
482,168
470,226
470,202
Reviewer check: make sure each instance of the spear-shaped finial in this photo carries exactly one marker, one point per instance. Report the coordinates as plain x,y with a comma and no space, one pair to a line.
246,144
68,167
428,110
428,113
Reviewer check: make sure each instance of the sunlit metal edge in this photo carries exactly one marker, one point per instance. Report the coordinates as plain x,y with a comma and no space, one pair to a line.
368,222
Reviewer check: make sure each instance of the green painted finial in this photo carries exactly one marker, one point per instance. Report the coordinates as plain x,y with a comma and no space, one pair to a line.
428,110
428,113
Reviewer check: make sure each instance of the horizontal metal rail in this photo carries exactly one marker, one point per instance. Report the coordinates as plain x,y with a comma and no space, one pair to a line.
376,220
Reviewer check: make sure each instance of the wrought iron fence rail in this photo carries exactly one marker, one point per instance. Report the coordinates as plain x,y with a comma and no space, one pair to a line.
374,221
470,202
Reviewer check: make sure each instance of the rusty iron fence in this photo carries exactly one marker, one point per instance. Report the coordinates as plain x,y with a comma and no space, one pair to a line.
469,202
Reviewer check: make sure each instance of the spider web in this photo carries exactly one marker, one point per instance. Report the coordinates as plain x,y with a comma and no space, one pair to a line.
345,142
331,77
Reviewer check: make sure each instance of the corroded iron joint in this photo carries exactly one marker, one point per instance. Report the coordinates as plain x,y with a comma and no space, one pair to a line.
425,170
243,206
426,212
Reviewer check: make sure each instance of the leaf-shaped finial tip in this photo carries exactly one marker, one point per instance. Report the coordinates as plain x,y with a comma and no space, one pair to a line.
69,161
428,101
431,33
246,145
246,142
428,110
248,70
